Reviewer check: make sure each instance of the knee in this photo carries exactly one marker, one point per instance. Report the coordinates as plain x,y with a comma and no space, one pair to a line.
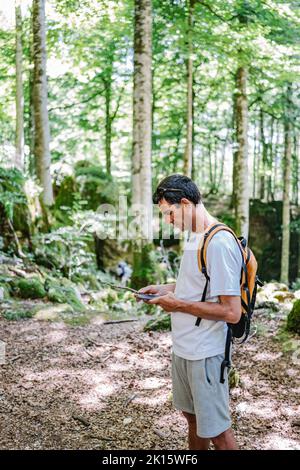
218,440
191,419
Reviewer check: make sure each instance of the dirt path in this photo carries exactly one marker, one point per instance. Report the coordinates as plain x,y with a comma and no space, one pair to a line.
108,387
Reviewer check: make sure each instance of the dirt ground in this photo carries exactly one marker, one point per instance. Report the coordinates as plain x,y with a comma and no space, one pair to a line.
107,386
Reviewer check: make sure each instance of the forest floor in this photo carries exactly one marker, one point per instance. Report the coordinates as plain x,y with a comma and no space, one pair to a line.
108,386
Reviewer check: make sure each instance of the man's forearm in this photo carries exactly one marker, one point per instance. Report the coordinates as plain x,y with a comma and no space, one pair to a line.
206,310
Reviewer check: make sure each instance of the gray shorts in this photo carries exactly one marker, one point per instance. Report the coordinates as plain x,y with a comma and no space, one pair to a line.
197,390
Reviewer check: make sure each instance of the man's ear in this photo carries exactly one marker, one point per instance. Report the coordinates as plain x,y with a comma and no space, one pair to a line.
184,200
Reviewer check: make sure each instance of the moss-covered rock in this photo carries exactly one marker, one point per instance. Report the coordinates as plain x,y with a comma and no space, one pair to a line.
52,312
69,295
66,192
144,268
30,288
283,296
95,185
4,292
293,319
162,322
15,315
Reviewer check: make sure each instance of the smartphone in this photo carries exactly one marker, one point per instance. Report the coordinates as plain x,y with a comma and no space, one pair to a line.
146,296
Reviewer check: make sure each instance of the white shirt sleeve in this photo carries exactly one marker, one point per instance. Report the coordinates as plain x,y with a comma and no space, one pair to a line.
224,263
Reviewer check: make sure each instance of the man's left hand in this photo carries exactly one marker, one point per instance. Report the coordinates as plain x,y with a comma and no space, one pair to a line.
168,302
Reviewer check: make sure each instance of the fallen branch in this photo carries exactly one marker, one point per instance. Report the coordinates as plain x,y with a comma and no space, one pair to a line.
111,322
13,359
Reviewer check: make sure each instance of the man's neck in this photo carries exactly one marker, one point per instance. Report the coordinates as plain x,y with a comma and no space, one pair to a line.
202,220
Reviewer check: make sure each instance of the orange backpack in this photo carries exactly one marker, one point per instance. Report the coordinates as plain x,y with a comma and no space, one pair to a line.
248,282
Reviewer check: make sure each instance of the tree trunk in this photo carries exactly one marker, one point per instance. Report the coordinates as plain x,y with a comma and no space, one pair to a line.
285,251
277,159
188,152
141,171
270,189
19,156
42,131
142,119
108,122
240,172
255,160
295,171
264,157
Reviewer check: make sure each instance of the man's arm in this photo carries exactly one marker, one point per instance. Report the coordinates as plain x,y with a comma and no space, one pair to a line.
228,310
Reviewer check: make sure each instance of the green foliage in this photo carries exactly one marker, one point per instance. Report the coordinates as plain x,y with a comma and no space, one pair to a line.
15,315
5,290
66,193
11,190
67,247
161,322
30,288
233,378
296,284
64,295
293,319
96,187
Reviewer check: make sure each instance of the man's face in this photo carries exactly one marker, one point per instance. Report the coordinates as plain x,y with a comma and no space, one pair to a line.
180,215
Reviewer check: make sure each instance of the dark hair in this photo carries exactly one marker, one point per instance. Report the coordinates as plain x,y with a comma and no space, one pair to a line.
175,187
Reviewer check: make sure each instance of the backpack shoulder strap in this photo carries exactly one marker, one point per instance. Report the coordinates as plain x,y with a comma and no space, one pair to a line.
202,250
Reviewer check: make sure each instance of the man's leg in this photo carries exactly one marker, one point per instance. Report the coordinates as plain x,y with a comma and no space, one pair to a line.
195,442
225,441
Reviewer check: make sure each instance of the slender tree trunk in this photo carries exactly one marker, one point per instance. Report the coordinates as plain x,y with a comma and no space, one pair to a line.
188,153
108,123
19,157
285,251
264,157
141,179
223,153
32,164
209,154
240,172
295,170
277,159
40,92
270,192
215,166
255,159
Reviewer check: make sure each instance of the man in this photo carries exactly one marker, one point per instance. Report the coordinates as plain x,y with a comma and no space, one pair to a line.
198,351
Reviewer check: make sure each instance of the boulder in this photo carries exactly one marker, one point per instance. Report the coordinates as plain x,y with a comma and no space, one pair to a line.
293,318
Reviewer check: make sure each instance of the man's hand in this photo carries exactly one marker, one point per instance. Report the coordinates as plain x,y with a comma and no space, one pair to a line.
160,289
168,302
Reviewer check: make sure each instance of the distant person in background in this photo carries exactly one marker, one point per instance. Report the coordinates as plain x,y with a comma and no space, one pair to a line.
124,272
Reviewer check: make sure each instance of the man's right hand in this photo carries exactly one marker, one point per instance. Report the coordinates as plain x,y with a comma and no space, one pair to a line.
160,289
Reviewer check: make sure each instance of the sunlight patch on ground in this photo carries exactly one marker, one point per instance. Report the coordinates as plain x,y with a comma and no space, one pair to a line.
151,383
55,337
154,400
277,442
102,386
267,356
260,408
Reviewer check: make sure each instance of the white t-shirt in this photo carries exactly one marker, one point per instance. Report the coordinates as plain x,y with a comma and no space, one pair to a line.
224,263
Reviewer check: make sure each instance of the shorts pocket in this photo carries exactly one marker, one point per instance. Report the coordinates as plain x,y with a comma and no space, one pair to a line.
206,371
